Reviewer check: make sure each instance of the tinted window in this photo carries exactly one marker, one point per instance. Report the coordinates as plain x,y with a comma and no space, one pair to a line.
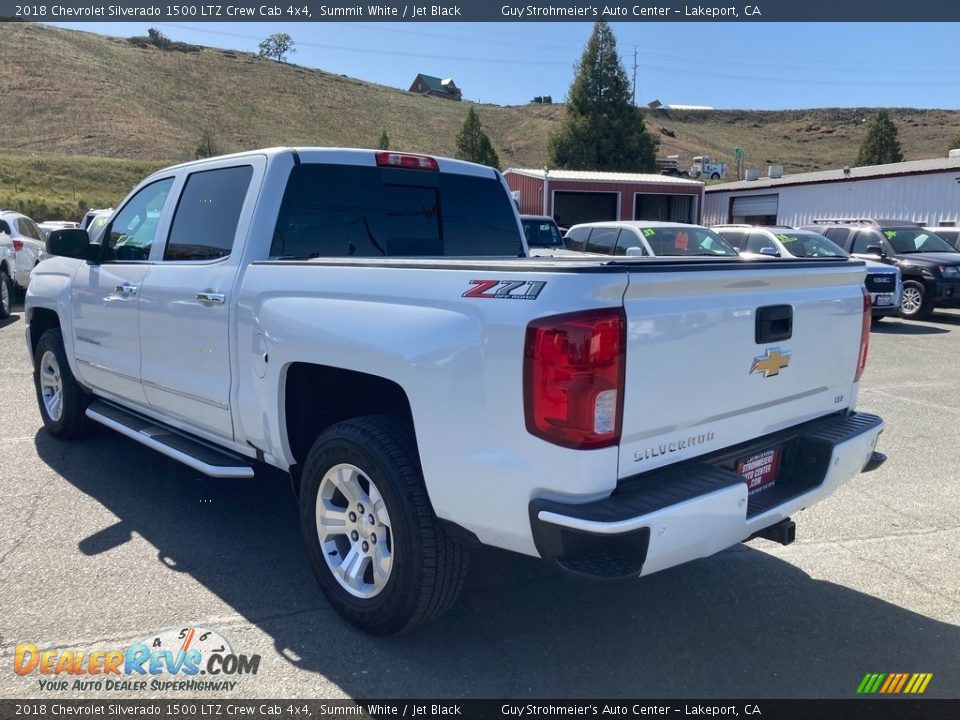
205,221
951,236
28,229
864,239
756,242
576,238
737,238
337,210
541,233
838,235
628,239
133,229
603,240
4,228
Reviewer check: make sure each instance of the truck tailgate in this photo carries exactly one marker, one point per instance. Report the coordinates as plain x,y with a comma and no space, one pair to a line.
700,379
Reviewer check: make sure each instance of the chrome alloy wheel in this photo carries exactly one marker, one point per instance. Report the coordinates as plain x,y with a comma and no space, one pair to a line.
355,531
51,385
911,300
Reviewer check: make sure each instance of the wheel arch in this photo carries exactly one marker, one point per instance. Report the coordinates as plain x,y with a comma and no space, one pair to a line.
316,396
39,320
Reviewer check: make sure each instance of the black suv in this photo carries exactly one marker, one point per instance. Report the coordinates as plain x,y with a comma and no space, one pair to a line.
929,265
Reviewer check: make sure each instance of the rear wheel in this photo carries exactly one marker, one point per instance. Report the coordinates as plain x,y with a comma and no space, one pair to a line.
715,176
6,295
63,403
372,539
915,303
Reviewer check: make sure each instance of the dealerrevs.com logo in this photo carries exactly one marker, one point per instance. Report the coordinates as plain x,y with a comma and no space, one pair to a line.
186,658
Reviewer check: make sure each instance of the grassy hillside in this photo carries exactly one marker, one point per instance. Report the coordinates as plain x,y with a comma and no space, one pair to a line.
91,115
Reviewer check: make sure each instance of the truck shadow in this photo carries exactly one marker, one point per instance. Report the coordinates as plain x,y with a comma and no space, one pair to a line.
907,327
741,624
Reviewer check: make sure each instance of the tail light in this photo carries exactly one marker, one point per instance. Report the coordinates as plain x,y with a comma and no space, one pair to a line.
864,335
18,245
406,160
573,370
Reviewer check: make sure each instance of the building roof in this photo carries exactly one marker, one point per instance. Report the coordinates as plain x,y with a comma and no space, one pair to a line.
911,167
438,84
614,177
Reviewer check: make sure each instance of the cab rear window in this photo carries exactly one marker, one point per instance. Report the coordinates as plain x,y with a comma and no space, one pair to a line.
350,211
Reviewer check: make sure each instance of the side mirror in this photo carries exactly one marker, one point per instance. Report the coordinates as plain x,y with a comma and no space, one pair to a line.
875,250
634,252
769,251
72,242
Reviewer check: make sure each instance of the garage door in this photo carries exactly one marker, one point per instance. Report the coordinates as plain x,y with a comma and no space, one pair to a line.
671,208
570,208
754,207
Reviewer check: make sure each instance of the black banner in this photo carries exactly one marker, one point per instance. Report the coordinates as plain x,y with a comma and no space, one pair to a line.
852,11
211,708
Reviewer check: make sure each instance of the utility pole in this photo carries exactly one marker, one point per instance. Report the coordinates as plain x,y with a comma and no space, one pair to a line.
634,75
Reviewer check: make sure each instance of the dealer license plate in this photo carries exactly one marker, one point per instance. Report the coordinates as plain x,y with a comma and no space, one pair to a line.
884,300
759,471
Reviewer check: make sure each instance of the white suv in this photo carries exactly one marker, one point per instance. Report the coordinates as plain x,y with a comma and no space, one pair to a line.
28,243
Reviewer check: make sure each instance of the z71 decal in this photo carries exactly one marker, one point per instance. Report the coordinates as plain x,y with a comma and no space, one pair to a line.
505,289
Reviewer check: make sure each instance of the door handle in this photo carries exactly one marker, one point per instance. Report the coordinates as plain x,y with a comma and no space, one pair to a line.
126,290
211,298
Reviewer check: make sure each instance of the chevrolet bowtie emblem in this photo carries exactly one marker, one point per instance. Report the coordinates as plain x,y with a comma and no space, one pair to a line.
771,362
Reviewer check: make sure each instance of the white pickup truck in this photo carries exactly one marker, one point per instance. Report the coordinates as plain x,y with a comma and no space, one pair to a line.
369,322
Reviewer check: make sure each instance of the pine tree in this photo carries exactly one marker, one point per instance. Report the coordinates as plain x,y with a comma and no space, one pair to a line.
602,129
384,143
473,143
880,144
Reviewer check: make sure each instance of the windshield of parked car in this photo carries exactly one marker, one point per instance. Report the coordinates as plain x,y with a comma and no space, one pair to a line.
809,245
541,232
917,241
680,241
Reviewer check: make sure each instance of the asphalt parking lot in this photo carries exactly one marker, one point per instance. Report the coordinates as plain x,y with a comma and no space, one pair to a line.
104,542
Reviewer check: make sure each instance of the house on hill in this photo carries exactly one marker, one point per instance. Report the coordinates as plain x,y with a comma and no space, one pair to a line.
437,87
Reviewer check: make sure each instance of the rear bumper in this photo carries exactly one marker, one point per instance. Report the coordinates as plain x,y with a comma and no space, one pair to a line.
692,510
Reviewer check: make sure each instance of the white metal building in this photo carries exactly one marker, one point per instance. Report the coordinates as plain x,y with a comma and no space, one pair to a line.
924,191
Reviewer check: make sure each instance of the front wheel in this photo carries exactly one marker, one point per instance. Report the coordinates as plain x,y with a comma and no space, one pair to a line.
915,303
63,403
715,176
373,542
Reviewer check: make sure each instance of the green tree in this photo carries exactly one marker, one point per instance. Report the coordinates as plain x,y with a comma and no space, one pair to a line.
880,144
955,143
384,143
277,46
473,143
602,129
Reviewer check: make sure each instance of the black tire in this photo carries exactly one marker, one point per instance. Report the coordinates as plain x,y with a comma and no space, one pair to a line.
916,309
715,176
428,567
6,291
72,421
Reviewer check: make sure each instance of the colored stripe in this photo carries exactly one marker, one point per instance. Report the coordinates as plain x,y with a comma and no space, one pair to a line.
903,679
188,639
914,682
863,683
876,683
926,681
888,683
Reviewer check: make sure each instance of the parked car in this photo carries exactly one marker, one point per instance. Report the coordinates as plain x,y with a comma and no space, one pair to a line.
91,214
7,264
541,232
950,233
639,238
98,223
28,242
48,225
882,281
362,320
929,265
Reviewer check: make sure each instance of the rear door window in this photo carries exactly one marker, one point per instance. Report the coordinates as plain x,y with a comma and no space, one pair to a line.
576,238
838,235
629,239
344,211
603,240
206,218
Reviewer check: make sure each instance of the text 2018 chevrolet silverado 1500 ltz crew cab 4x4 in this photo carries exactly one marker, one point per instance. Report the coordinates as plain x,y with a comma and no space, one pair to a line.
369,322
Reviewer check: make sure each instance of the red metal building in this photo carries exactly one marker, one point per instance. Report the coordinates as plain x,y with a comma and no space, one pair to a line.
575,196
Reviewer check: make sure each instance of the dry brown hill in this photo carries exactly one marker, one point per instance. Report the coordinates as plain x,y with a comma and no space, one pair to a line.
78,93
